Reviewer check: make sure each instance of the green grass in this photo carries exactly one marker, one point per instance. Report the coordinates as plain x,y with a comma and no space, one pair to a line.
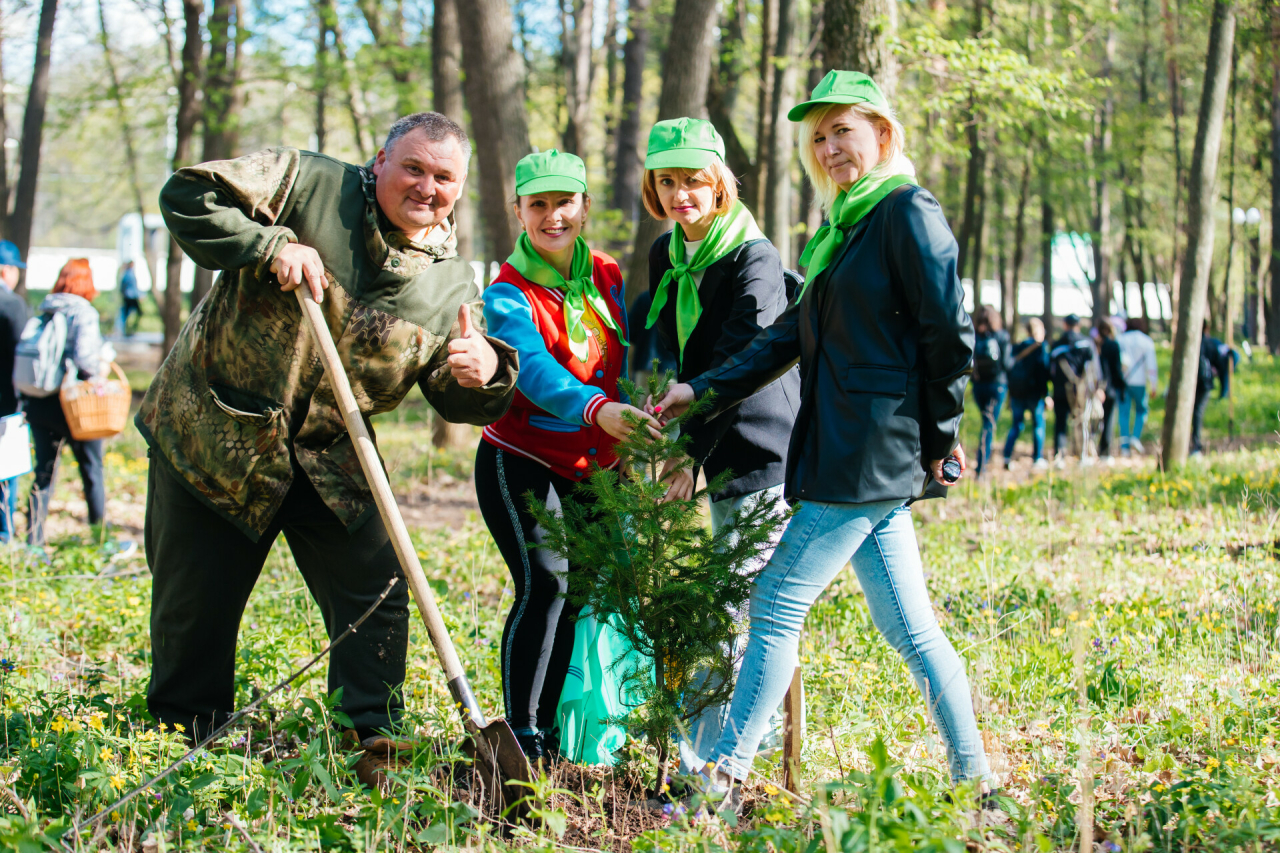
1118,626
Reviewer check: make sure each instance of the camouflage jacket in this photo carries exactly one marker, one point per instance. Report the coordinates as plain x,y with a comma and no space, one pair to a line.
243,394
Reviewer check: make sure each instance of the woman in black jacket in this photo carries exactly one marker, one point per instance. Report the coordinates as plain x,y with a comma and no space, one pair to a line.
884,346
712,292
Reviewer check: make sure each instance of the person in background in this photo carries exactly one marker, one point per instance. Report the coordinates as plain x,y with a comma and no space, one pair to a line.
71,297
559,304
990,376
717,282
130,300
13,317
645,344
1071,352
1112,384
1138,357
1216,361
1028,387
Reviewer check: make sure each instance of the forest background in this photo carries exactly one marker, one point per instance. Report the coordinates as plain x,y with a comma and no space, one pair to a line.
1026,119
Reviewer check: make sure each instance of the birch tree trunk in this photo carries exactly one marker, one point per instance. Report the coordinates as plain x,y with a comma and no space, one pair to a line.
1275,178
494,90
1013,285
686,72
20,221
1198,261
184,129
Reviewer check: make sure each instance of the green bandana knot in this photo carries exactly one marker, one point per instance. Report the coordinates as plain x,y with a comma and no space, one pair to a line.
848,210
580,290
727,233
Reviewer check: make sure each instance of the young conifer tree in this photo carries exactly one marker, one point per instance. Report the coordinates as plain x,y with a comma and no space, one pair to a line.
672,586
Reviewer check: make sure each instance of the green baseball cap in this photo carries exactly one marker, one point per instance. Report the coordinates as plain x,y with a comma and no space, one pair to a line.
683,143
549,171
841,87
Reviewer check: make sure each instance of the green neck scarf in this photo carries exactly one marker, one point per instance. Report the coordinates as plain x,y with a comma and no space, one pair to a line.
580,290
849,208
727,233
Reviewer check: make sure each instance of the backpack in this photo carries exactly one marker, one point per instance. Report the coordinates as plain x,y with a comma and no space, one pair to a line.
38,363
986,358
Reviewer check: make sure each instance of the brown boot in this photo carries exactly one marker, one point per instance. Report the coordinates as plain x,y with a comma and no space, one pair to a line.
379,755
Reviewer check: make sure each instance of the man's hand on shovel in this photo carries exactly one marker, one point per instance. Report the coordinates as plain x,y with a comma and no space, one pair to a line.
471,360
297,263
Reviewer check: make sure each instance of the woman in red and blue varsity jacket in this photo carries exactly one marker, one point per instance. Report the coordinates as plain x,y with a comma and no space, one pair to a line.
561,306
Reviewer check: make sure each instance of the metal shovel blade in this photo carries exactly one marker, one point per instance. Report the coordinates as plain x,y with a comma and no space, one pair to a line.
500,765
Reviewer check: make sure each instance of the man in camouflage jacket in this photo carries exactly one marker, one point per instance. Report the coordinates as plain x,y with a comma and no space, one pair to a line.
246,439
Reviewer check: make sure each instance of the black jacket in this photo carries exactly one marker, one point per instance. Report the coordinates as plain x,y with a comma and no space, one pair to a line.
1112,368
1029,375
991,359
13,317
884,345
1071,349
741,294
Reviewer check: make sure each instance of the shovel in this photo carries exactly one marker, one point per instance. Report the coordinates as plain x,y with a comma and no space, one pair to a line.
498,762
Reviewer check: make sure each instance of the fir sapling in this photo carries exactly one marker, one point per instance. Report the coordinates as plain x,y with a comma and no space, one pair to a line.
674,589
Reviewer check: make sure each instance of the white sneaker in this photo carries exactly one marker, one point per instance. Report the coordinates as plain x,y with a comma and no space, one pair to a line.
1040,465
1136,447
1060,463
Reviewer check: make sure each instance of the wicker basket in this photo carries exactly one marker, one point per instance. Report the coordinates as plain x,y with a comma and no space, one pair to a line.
97,408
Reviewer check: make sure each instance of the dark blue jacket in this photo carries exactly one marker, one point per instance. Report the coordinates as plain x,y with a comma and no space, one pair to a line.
1029,374
885,348
741,294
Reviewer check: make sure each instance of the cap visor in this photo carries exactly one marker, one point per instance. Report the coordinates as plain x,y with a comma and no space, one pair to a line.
551,184
799,110
681,158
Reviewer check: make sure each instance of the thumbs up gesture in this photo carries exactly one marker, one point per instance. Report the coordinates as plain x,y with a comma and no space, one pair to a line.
471,360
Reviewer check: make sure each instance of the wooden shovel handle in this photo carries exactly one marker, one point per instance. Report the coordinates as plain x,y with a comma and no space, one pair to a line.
390,512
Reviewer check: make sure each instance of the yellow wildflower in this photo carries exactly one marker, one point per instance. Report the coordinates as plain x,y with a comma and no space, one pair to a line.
58,725
771,790
1211,764
106,754
179,727
1055,632
117,782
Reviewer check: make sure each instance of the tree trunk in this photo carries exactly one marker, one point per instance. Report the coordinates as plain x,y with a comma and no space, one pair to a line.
612,33
1013,285
494,90
1103,249
629,161
1046,240
777,215
4,134
388,37
20,221
351,95
578,77
1199,256
686,69
764,100
446,94
972,196
320,69
188,85
1274,325
222,101
1175,115
856,34
126,128
809,210
722,93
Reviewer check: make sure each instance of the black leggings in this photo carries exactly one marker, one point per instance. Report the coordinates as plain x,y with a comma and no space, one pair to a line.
537,640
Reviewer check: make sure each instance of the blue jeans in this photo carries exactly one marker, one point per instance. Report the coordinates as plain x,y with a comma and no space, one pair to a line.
990,397
707,728
8,507
820,539
1020,407
1135,395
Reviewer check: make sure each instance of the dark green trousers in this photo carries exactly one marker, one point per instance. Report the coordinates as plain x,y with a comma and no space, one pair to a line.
204,568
